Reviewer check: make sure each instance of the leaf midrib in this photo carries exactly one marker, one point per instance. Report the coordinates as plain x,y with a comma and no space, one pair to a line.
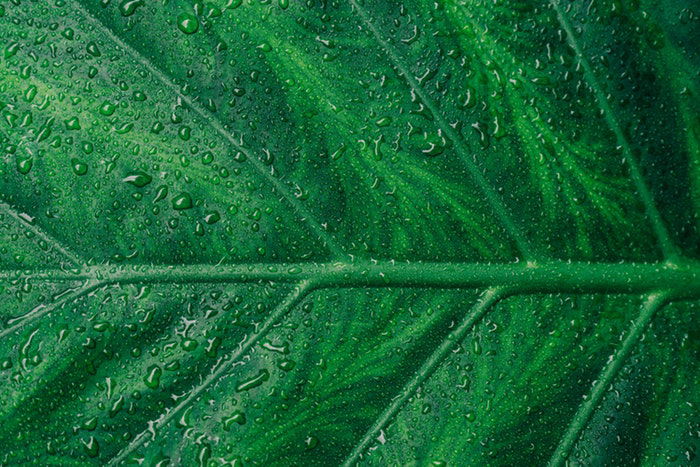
600,277
549,276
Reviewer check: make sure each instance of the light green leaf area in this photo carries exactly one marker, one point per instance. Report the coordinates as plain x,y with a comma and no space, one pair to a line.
362,232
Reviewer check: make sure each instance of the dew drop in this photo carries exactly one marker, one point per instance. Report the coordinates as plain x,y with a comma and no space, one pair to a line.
24,166
73,124
212,217
129,7
152,380
107,108
254,382
138,179
187,23
182,201
237,417
93,49
92,448
79,167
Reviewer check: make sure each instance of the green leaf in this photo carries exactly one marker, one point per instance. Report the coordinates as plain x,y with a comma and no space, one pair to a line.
317,232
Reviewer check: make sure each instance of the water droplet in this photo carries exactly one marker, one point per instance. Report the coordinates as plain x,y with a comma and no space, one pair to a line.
79,167
286,365
24,166
203,455
311,442
254,382
138,179
283,348
128,7
187,23
73,124
107,108
90,424
92,447
152,380
11,49
383,122
237,417
161,193
212,217
182,201
189,344
93,49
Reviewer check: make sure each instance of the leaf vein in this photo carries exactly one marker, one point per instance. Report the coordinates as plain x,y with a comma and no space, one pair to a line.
55,244
578,423
492,197
335,248
292,299
489,298
38,312
548,276
665,243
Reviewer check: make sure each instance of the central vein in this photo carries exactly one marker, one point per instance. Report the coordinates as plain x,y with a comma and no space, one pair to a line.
683,280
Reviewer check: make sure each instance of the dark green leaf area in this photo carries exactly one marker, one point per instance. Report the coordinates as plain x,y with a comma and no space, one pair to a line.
359,232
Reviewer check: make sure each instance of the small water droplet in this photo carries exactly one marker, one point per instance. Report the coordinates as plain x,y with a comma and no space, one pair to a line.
182,201
254,382
187,23
138,179
129,7
152,380
79,167
237,417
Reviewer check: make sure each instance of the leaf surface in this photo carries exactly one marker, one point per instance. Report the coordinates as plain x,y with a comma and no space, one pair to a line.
290,232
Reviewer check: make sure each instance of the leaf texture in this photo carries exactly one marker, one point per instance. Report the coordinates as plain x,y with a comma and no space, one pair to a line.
318,232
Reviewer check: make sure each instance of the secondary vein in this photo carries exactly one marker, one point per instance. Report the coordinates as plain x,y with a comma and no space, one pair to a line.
334,247
486,302
665,243
491,196
21,321
293,299
52,242
578,423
